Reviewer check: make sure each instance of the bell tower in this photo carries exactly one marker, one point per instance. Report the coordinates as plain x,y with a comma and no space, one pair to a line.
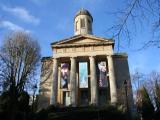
83,22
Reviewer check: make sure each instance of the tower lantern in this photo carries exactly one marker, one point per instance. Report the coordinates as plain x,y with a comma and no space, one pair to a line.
83,22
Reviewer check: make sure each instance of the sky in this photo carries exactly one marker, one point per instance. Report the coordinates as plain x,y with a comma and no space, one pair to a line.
52,20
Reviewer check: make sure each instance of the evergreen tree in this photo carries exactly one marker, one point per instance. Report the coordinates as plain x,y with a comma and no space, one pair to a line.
144,104
157,100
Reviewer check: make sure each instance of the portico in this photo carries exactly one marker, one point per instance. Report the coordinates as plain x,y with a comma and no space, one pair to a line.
91,91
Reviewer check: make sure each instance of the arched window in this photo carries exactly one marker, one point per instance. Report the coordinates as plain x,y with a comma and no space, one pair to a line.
82,23
76,25
89,25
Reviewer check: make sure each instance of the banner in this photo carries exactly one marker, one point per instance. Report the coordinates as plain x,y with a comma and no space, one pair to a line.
64,75
102,78
83,75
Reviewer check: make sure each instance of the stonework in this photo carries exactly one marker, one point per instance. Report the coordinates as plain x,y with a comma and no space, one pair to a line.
84,70
45,83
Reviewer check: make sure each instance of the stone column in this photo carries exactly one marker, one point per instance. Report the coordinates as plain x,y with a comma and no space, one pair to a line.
73,80
93,81
59,86
54,84
112,80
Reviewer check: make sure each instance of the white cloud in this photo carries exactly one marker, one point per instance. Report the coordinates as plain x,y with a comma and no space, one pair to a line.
11,26
22,13
40,2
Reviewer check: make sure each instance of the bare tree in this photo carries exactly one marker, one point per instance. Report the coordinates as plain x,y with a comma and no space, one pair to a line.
151,82
146,80
137,79
19,58
133,14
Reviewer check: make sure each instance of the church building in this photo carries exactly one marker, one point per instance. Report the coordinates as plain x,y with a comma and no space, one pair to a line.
84,70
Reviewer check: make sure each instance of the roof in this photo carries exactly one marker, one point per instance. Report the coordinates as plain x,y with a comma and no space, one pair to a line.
84,12
79,36
121,55
70,42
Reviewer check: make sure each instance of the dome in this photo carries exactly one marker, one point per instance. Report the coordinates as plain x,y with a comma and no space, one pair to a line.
83,12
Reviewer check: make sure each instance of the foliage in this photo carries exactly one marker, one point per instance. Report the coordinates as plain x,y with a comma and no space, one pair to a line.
19,58
78,113
5,101
148,80
21,106
151,82
157,96
157,100
144,104
68,113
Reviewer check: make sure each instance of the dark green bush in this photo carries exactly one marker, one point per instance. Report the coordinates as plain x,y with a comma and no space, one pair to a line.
80,113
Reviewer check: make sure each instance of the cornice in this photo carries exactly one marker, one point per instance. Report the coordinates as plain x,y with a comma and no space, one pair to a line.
84,44
81,36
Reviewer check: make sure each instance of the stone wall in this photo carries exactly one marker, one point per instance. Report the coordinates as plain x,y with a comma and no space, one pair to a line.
45,83
122,74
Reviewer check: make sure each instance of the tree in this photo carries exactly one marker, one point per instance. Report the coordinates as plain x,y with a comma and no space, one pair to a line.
134,14
144,104
137,79
19,59
157,96
157,100
151,82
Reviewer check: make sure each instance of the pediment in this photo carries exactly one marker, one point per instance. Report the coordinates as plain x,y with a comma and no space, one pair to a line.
83,40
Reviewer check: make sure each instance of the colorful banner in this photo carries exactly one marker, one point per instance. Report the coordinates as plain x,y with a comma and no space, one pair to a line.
102,78
83,75
64,75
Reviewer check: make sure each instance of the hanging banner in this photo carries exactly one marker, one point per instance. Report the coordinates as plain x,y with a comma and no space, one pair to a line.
102,78
83,75
64,75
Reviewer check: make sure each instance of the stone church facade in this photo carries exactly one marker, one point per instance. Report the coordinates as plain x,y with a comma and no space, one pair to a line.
84,70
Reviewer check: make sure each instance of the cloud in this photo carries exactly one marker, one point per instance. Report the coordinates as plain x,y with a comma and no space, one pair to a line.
11,26
22,13
40,2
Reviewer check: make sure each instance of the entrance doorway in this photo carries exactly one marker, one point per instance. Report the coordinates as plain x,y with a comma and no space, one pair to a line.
84,97
66,98
83,83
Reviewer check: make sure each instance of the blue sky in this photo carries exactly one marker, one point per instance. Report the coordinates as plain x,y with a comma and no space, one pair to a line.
52,20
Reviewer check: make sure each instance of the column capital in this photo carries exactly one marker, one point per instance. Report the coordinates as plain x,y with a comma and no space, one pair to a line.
92,56
108,56
55,57
73,57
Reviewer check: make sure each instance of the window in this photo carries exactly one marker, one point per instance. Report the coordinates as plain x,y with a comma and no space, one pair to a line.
76,25
82,23
89,25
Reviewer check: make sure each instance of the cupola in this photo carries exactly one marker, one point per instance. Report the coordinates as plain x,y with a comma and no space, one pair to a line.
83,22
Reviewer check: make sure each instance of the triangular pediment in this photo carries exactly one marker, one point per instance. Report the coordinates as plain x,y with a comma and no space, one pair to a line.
82,39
